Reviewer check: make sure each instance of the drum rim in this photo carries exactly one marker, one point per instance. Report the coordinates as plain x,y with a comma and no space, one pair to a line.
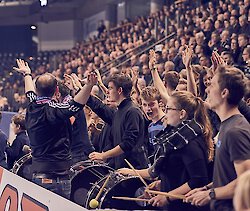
18,164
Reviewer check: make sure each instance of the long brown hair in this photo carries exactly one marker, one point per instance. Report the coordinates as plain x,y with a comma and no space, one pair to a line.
195,109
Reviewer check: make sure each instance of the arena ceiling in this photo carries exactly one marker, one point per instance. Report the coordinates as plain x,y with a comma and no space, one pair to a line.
30,11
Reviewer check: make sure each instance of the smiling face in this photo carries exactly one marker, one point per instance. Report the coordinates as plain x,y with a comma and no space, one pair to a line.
173,114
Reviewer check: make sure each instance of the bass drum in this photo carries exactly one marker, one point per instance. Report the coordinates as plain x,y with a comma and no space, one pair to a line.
22,167
85,174
118,185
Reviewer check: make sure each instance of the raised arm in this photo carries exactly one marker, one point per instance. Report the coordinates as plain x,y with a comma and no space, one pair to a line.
83,95
158,83
23,67
186,58
100,83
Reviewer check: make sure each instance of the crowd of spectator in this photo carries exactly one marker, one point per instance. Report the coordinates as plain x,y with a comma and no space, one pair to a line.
219,25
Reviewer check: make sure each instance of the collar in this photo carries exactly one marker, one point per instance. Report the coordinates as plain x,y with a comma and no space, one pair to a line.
124,103
43,100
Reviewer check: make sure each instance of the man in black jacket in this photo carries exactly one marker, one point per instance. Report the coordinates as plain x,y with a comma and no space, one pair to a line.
49,131
127,125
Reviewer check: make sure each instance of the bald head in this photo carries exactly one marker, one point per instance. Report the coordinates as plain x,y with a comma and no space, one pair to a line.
46,85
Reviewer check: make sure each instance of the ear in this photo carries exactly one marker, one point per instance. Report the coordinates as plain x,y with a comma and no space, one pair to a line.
225,93
119,90
183,114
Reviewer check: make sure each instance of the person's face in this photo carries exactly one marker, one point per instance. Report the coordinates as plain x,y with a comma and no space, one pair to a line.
173,114
113,93
207,80
214,98
151,108
245,55
15,127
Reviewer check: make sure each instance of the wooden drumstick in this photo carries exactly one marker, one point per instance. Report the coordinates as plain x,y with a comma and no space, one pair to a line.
166,194
94,202
130,165
129,198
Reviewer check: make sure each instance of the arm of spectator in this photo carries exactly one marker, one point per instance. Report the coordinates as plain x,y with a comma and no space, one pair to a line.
100,83
134,77
186,58
158,83
83,96
23,67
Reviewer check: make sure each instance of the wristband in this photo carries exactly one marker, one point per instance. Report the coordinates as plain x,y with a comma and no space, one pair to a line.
27,74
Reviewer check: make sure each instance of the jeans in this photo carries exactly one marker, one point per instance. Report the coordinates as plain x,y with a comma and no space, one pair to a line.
58,185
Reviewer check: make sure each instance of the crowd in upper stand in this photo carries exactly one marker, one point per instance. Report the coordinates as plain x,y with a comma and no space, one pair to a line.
218,25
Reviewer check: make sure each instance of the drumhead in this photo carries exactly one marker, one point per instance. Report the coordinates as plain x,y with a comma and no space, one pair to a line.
83,179
118,185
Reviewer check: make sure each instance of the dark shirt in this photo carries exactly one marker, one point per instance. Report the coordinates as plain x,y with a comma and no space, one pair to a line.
127,131
81,144
49,130
15,151
186,165
233,144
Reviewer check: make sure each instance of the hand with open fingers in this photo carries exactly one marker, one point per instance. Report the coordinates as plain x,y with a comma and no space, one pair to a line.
23,67
96,156
200,198
158,201
69,82
125,171
76,80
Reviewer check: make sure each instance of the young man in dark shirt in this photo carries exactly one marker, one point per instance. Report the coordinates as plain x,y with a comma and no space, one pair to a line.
48,129
127,126
233,145
15,151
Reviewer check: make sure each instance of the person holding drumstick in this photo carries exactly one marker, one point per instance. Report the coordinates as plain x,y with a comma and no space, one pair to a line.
184,153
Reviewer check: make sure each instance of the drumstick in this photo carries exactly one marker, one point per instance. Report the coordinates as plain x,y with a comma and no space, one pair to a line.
166,194
103,186
94,202
130,165
129,199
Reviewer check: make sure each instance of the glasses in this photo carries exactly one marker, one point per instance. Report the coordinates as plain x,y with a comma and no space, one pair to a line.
173,109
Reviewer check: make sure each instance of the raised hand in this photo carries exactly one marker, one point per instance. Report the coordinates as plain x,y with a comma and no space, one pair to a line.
187,56
216,60
152,59
99,78
69,82
92,79
76,80
23,67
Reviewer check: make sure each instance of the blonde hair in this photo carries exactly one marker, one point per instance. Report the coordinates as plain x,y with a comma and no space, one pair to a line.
242,192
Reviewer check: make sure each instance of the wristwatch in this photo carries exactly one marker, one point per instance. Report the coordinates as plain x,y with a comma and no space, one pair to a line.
212,194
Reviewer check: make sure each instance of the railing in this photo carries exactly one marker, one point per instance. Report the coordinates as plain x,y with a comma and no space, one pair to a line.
138,54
